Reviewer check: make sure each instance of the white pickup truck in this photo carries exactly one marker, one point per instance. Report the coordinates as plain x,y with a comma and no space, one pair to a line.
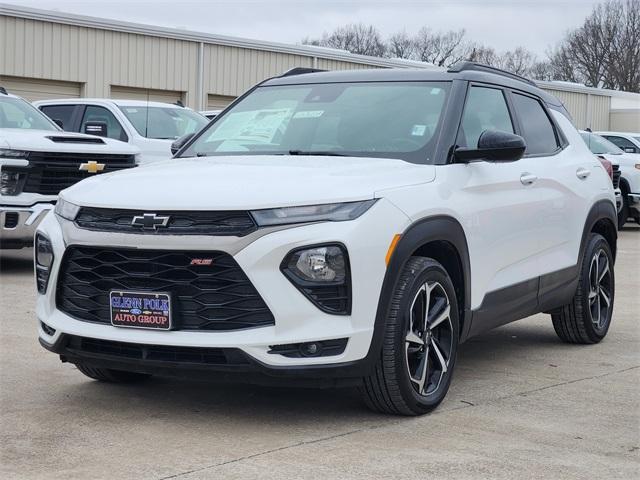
37,160
150,126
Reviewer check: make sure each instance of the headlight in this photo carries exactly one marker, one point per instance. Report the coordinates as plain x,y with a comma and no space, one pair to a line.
44,260
66,209
9,153
331,212
321,273
9,183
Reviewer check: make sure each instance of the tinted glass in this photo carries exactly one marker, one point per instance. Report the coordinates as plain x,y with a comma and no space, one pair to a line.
621,142
485,109
62,113
537,129
164,122
94,113
16,113
369,119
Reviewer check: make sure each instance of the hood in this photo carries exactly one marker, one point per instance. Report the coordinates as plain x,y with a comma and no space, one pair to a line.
251,182
54,141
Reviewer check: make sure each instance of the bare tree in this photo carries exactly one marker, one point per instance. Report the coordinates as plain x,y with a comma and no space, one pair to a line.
400,45
482,54
519,61
355,38
605,50
440,48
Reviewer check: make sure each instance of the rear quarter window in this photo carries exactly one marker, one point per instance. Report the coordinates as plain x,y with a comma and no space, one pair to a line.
537,129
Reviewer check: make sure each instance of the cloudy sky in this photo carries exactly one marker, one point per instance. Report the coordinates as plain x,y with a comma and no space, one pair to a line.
502,24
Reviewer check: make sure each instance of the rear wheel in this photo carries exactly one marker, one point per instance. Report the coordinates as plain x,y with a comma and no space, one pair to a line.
414,371
588,317
111,376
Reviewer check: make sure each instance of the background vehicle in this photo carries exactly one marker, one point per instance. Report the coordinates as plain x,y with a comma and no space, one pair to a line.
337,228
150,126
625,141
628,178
37,160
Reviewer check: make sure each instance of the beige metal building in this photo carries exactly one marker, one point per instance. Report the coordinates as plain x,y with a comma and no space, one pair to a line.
47,54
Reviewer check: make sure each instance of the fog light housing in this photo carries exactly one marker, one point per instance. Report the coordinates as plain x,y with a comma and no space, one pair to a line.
43,260
9,183
322,274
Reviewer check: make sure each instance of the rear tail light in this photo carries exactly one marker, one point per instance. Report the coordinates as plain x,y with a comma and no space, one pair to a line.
607,166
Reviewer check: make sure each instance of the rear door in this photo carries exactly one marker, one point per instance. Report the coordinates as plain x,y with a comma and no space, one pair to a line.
562,188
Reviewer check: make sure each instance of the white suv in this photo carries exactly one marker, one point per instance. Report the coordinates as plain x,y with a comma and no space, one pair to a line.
37,160
628,156
150,126
336,228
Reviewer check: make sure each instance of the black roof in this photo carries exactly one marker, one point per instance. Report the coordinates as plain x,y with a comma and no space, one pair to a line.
495,77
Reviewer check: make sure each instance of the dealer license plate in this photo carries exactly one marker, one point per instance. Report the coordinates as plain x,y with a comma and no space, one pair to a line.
140,310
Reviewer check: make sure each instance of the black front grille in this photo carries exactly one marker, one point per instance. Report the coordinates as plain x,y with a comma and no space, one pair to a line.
210,296
616,176
155,353
238,223
48,173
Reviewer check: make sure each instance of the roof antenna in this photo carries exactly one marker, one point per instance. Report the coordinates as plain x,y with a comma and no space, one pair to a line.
179,103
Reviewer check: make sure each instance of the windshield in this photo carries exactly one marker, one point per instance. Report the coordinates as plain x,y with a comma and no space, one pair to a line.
164,122
16,113
599,145
637,138
381,119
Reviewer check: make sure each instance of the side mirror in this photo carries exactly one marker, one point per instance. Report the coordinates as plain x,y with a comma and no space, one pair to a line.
180,142
58,122
629,150
96,128
494,146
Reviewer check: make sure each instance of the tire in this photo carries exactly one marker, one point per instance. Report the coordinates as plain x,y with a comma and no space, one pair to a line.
587,318
111,376
623,214
398,383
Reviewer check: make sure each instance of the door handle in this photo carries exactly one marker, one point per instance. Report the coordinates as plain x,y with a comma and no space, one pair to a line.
528,178
582,173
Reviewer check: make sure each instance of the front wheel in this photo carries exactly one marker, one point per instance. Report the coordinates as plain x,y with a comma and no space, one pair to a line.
414,370
588,317
623,214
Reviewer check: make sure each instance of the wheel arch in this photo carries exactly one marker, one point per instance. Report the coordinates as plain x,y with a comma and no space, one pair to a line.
601,219
443,239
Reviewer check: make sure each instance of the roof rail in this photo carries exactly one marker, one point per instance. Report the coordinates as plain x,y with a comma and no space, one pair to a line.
300,71
479,67
3,91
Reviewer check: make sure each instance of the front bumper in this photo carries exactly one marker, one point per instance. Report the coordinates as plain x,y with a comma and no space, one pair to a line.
18,224
297,320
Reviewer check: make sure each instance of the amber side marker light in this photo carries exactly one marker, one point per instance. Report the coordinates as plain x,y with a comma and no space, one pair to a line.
392,247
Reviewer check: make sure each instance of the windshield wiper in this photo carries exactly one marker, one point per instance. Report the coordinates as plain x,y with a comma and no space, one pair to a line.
316,153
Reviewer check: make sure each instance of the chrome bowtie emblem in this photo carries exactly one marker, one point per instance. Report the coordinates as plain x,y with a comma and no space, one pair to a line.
149,221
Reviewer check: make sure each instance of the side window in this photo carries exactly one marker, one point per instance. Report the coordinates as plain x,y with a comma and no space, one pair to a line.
94,113
537,129
62,113
486,109
622,143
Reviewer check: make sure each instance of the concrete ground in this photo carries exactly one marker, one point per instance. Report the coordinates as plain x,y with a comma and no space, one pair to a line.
522,404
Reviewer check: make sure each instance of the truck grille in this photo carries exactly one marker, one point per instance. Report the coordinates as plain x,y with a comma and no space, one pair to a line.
616,176
213,297
48,173
238,223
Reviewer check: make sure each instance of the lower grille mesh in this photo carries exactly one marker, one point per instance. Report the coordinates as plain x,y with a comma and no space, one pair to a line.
215,297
